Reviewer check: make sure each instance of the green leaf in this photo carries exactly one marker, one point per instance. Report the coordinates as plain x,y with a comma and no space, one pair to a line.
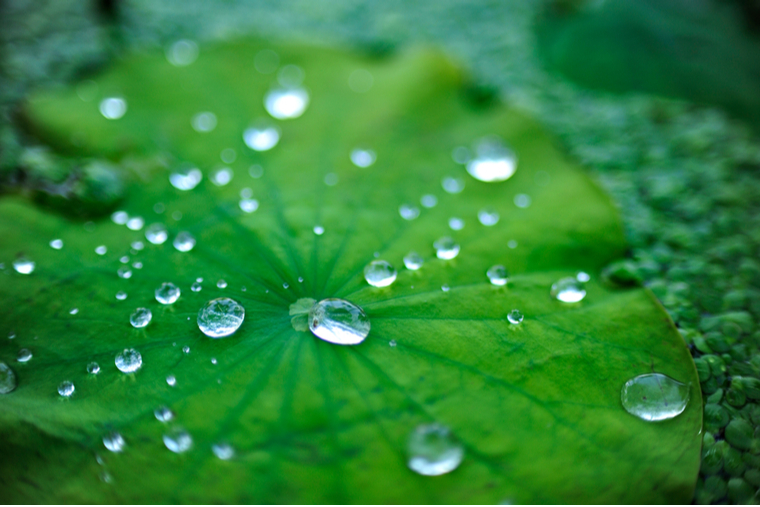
536,405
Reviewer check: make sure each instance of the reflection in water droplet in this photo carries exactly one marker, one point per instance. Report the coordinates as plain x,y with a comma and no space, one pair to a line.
498,275
113,108
515,317
568,290
93,368
249,205
66,389
156,234
338,321
363,158
223,451
196,287
140,317
171,380
114,442
128,361
522,200
408,212
488,216
7,379
178,440
221,284
654,397
429,200
222,176
184,242
24,355
182,53
446,248
286,103
493,161
135,223
23,265
163,414
413,261
433,450
263,136
186,178
57,244
319,230
220,317
452,185
204,122
360,81
167,293
121,295
124,272
379,273
266,61
456,224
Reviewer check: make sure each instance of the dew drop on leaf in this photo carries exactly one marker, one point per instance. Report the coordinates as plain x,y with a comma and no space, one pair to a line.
182,53
167,293
56,244
178,440
433,450
446,248
456,224
429,201
498,275
204,122
319,230
7,379
286,103
128,361
135,223
338,321
220,317
568,290
186,178
121,295
408,212
223,451
23,265
413,261
124,272
163,414
361,157
114,442
24,355
101,250
184,241
222,176
515,317
113,108
379,273
488,217
221,284
156,234
582,276
171,380
263,136
119,217
654,397
196,287
493,161
93,368
66,389
452,185
140,317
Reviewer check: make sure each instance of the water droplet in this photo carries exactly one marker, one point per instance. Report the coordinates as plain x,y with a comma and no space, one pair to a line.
429,200
379,273
124,259
24,355
488,217
493,161
654,397
221,284
249,205
263,136
140,317
66,389
184,242
319,230
196,287
568,290
57,244
361,157
167,293
106,477
445,288
408,212
220,317
113,108
186,349
446,248
182,53
331,179
456,224
93,368
124,272
23,265
138,245
360,81
171,380
221,176
7,379
433,450
512,243
204,122
413,261
178,440
338,321
128,361
522,200
223,451
213,360
392,343
101,250
285,285
266,61
452,185
73,311
135,223
256,171
176,215
461,155
114,442
498,275
185,178
286,103
156,234
121,295
515,317
163,414
119,217
582,276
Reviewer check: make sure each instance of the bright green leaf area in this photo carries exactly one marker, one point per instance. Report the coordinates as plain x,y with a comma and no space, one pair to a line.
536,405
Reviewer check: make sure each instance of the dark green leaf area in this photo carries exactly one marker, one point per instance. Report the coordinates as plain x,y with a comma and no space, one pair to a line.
536,405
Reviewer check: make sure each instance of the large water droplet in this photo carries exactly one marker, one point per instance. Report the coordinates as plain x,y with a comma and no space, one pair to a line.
186,178
163,414
113,108
140,317
408,212
488,217
654,397
204,122
262,136
446,248
66,389
220,317
57,244
128,361
178,440
156,233
498,275
493,161
433,450
338,321
24,355
413,261
568,290
93,368
114,442
379,273
286,103
363,158
23,265
167,293
184,242
182,53
223,451
7,378
515,317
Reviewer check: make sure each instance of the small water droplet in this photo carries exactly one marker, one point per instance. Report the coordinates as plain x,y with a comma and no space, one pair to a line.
445,288
319,230
138,245
331,179
361,157
119,217
456,224
262,136
338,321
213,360
128,361
135,223
184,242
185,178
223,451
498,275
105,477
429,201
461,155
186,349
156,234
140,317
379,273
408,212
167,293
124,259
114,442
101,250
73,311
654,397
452,185
24,355
124,272
182,53
93,368
204,122
196,287
568,290
493,161
413,261
113,108
392,343
446,248
286,103
171,380
256,171
23,265
582,276
163,414
221,284
66,389
57,244
488,217
121,295
512,243
178,440
222,176
176,215
522,200
300,279
220,317
7,379
433,450
515,317
249,205
137,265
